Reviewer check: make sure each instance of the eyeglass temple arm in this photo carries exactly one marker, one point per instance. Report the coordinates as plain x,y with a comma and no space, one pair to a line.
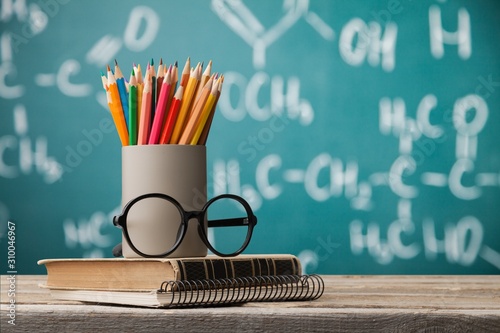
233,222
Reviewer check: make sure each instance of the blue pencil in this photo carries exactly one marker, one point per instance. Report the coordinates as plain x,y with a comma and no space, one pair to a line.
122,89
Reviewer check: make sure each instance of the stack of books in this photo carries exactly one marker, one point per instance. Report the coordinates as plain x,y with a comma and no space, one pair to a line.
181,282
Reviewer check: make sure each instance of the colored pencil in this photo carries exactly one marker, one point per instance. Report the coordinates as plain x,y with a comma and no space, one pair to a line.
207,108
145,120
104,81
195,115
153,90
174,85
122,89
172,116
187,98
160,75
116,108
185,73
206,130
204,79
140,88
132,107
161,108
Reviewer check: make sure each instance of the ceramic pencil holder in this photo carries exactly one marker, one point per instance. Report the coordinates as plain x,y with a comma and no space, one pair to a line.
153,224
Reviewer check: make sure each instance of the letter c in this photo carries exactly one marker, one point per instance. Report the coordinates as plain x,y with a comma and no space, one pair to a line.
267,190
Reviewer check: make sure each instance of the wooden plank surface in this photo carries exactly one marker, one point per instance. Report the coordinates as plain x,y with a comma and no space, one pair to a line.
349,304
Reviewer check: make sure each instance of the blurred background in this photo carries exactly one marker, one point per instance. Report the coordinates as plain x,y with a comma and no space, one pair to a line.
364,134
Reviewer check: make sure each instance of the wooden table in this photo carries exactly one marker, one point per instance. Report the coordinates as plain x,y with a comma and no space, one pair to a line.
349,304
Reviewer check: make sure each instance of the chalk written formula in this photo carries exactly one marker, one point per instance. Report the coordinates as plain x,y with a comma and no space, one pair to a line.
378,119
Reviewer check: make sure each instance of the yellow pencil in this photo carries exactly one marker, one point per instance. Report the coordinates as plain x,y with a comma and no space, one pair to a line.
194,117
187,98
205,114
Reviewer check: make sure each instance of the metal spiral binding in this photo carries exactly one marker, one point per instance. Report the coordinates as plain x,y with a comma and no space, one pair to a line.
243,289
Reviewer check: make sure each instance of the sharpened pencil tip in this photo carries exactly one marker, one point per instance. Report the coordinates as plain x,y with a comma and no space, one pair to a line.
108,69
175,63
116,63
152,62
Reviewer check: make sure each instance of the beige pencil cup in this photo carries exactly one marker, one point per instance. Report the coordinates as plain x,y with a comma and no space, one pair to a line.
178,171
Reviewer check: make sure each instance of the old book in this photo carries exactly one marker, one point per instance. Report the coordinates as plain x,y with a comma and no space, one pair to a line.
148,274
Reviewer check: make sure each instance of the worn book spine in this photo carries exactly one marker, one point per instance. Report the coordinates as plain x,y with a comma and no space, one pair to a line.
219,268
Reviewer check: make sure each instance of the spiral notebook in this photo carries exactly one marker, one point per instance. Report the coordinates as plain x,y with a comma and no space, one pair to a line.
211,292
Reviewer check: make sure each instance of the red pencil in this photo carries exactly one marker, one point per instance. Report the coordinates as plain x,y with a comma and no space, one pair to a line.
161,109
168,129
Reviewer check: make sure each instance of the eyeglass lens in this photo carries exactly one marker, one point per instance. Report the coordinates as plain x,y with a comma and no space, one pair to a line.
225,237
160,224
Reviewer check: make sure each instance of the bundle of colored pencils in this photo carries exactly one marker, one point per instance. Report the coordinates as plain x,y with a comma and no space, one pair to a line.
160,108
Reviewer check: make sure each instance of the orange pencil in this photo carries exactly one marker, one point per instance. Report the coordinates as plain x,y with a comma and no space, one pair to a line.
161,108
172,116
187,99
208,124
145,120
204,79
116,109
194,118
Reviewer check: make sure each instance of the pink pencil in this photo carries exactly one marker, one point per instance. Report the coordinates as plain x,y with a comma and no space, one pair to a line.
161,107
145,121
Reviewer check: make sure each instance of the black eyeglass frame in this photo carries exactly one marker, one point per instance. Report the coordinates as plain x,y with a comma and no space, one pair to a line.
250,220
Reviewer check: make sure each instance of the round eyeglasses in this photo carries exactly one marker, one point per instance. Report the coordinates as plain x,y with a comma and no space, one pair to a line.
229,218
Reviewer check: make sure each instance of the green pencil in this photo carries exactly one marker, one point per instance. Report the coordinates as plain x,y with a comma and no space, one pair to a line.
132,108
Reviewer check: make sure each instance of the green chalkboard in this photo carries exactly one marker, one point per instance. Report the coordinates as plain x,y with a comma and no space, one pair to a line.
363,133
